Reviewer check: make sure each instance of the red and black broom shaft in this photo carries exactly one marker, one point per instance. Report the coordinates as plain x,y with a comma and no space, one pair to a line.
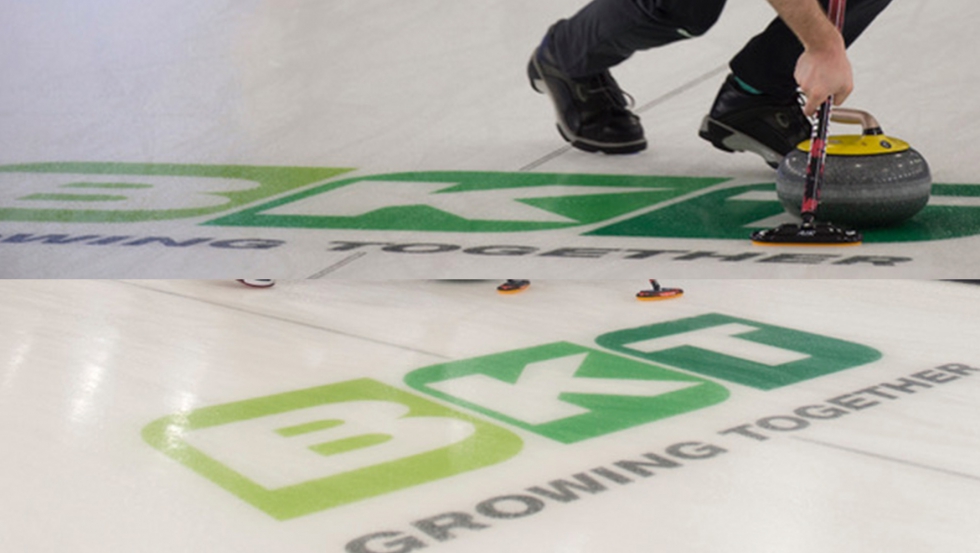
816,163
818,140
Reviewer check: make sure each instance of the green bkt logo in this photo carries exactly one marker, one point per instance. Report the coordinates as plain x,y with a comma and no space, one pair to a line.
737,350
566,392
123,192
296,453
514,202
299,452
436,201
467,201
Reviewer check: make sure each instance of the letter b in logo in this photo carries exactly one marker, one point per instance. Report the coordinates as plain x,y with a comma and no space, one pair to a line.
299,452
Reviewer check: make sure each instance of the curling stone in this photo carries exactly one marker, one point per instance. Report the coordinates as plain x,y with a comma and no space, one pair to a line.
870,180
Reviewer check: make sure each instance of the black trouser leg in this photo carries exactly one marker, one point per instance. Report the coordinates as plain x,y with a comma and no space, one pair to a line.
606,32
767,62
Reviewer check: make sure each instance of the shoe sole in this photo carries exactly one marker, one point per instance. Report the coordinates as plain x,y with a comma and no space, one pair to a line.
540,85
730,140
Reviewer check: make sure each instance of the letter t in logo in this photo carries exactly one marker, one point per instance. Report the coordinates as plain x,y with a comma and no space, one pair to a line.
738,350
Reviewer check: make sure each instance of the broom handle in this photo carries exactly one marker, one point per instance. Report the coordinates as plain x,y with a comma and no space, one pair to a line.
818,140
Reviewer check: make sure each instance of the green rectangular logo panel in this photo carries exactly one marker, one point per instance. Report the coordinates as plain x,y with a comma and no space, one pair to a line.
566,392
299,452
131,192
739,350
458,201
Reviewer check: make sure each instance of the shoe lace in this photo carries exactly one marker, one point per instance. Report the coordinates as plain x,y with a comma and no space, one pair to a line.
603,85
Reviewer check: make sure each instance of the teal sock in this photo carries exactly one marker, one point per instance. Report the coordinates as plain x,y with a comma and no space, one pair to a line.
746,87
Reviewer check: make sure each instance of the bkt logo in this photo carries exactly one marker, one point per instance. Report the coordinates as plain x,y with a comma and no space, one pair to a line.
431,201
305,451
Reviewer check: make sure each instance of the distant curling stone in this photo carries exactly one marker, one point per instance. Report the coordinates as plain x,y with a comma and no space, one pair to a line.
657,292
870,180
258,282
513,286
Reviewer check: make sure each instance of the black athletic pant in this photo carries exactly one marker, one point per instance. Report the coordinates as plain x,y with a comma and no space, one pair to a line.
606,32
